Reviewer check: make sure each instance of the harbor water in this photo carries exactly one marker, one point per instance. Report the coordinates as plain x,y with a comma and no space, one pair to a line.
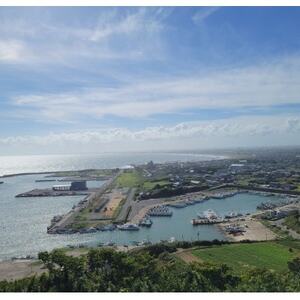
23,221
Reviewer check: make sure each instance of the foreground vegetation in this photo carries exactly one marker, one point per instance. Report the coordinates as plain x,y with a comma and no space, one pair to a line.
154,268
293,222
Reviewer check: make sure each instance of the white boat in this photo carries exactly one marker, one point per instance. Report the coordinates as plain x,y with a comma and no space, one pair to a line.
210,214
110,243
128,226
233,215
201,216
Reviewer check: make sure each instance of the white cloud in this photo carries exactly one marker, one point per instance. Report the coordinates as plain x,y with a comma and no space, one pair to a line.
12,51
130,35
111,25
188,134
264,85
203,13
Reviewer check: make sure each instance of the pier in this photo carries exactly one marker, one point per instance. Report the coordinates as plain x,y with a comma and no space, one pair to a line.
54,193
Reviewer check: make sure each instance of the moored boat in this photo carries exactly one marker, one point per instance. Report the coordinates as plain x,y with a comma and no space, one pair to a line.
129,227
146,222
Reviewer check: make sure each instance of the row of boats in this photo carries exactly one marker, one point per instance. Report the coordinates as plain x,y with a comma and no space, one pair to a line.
160,211
157,211
271,205
185,203
211,217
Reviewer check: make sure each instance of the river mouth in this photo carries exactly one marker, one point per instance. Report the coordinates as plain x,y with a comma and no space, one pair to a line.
24,222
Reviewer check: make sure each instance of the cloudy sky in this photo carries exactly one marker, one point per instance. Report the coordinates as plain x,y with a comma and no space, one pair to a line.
76,80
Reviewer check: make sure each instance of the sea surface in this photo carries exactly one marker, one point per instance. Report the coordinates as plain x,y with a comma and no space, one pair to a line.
49,163
24,221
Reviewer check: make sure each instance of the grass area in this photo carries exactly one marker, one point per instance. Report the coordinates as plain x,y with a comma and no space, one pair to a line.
79,225
293,222
129,179
270,255
149,185
295,245
134,178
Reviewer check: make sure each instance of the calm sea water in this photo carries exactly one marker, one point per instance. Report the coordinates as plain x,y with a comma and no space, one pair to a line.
23,221
49,163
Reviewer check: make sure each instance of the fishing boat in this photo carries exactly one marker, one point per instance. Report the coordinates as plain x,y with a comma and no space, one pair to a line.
210,214
172,239
201,216
129,227
144,243
206,221
160,211
233,215
234,228
110,244
146,222
134,243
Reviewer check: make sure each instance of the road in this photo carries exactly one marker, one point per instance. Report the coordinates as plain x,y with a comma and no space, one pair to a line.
129,202
69,217
291,232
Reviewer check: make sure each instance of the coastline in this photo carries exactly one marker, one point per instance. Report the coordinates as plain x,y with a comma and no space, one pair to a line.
205,157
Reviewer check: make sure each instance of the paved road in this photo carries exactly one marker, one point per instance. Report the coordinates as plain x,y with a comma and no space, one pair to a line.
291,232
69,217
129,202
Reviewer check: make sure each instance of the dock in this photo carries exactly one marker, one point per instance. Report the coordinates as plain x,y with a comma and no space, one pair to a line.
53,193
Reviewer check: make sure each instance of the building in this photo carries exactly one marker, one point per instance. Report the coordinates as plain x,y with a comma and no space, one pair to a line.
61,187
78,185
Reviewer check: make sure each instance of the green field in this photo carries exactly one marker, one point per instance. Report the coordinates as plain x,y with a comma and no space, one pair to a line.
135,179
270,255
149,185
129,179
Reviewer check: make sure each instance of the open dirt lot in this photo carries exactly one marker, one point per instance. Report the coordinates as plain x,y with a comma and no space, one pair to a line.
115,198
255,231
10,270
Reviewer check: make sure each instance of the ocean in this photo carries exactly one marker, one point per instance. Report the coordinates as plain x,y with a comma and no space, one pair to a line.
48,163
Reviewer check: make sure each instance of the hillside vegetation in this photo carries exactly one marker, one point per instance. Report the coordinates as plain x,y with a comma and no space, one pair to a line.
157,268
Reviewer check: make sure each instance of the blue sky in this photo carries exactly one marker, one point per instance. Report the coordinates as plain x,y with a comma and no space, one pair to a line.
106,79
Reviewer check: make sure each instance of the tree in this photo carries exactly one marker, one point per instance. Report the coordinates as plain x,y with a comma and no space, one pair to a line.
294,266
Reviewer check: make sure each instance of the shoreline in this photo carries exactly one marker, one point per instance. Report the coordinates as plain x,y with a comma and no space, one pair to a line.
207,157
52,172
